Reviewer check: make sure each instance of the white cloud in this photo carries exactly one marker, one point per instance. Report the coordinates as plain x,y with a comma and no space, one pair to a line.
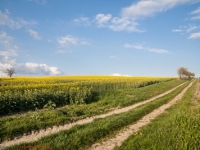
117,74
177,30
120,24
107,21
5,39
34,34
116,23
189,28
23,22
194,36
156,50
3,34
7,61
129,17
141,47
196,18
8,49
197,13
27,68
37,69
5,20
67,40
14,24
148,8
135,46
83,21
70,40
102,19
8,53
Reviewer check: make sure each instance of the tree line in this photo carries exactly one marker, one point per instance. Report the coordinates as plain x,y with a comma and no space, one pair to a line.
184,73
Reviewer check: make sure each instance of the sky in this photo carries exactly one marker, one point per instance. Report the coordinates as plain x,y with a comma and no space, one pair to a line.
99,37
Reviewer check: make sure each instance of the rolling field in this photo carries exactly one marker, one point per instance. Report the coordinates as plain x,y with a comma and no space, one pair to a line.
79,112
178,128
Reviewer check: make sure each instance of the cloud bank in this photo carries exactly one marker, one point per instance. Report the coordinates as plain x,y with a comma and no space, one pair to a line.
27,68
8,54
118,74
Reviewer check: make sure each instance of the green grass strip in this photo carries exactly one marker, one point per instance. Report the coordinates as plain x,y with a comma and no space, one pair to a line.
177,129
82,136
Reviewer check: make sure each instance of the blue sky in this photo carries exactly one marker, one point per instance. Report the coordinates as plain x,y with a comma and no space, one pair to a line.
99,37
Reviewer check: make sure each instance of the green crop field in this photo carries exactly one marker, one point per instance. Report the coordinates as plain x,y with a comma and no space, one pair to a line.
33,104
177,129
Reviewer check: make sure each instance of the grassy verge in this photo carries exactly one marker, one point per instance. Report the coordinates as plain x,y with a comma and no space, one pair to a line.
178,128
14,126
82,136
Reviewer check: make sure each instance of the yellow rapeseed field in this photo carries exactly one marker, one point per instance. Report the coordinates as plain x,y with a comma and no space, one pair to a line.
28,93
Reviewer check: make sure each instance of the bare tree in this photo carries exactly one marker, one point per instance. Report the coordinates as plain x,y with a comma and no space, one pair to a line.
183,72
187,73
10,71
